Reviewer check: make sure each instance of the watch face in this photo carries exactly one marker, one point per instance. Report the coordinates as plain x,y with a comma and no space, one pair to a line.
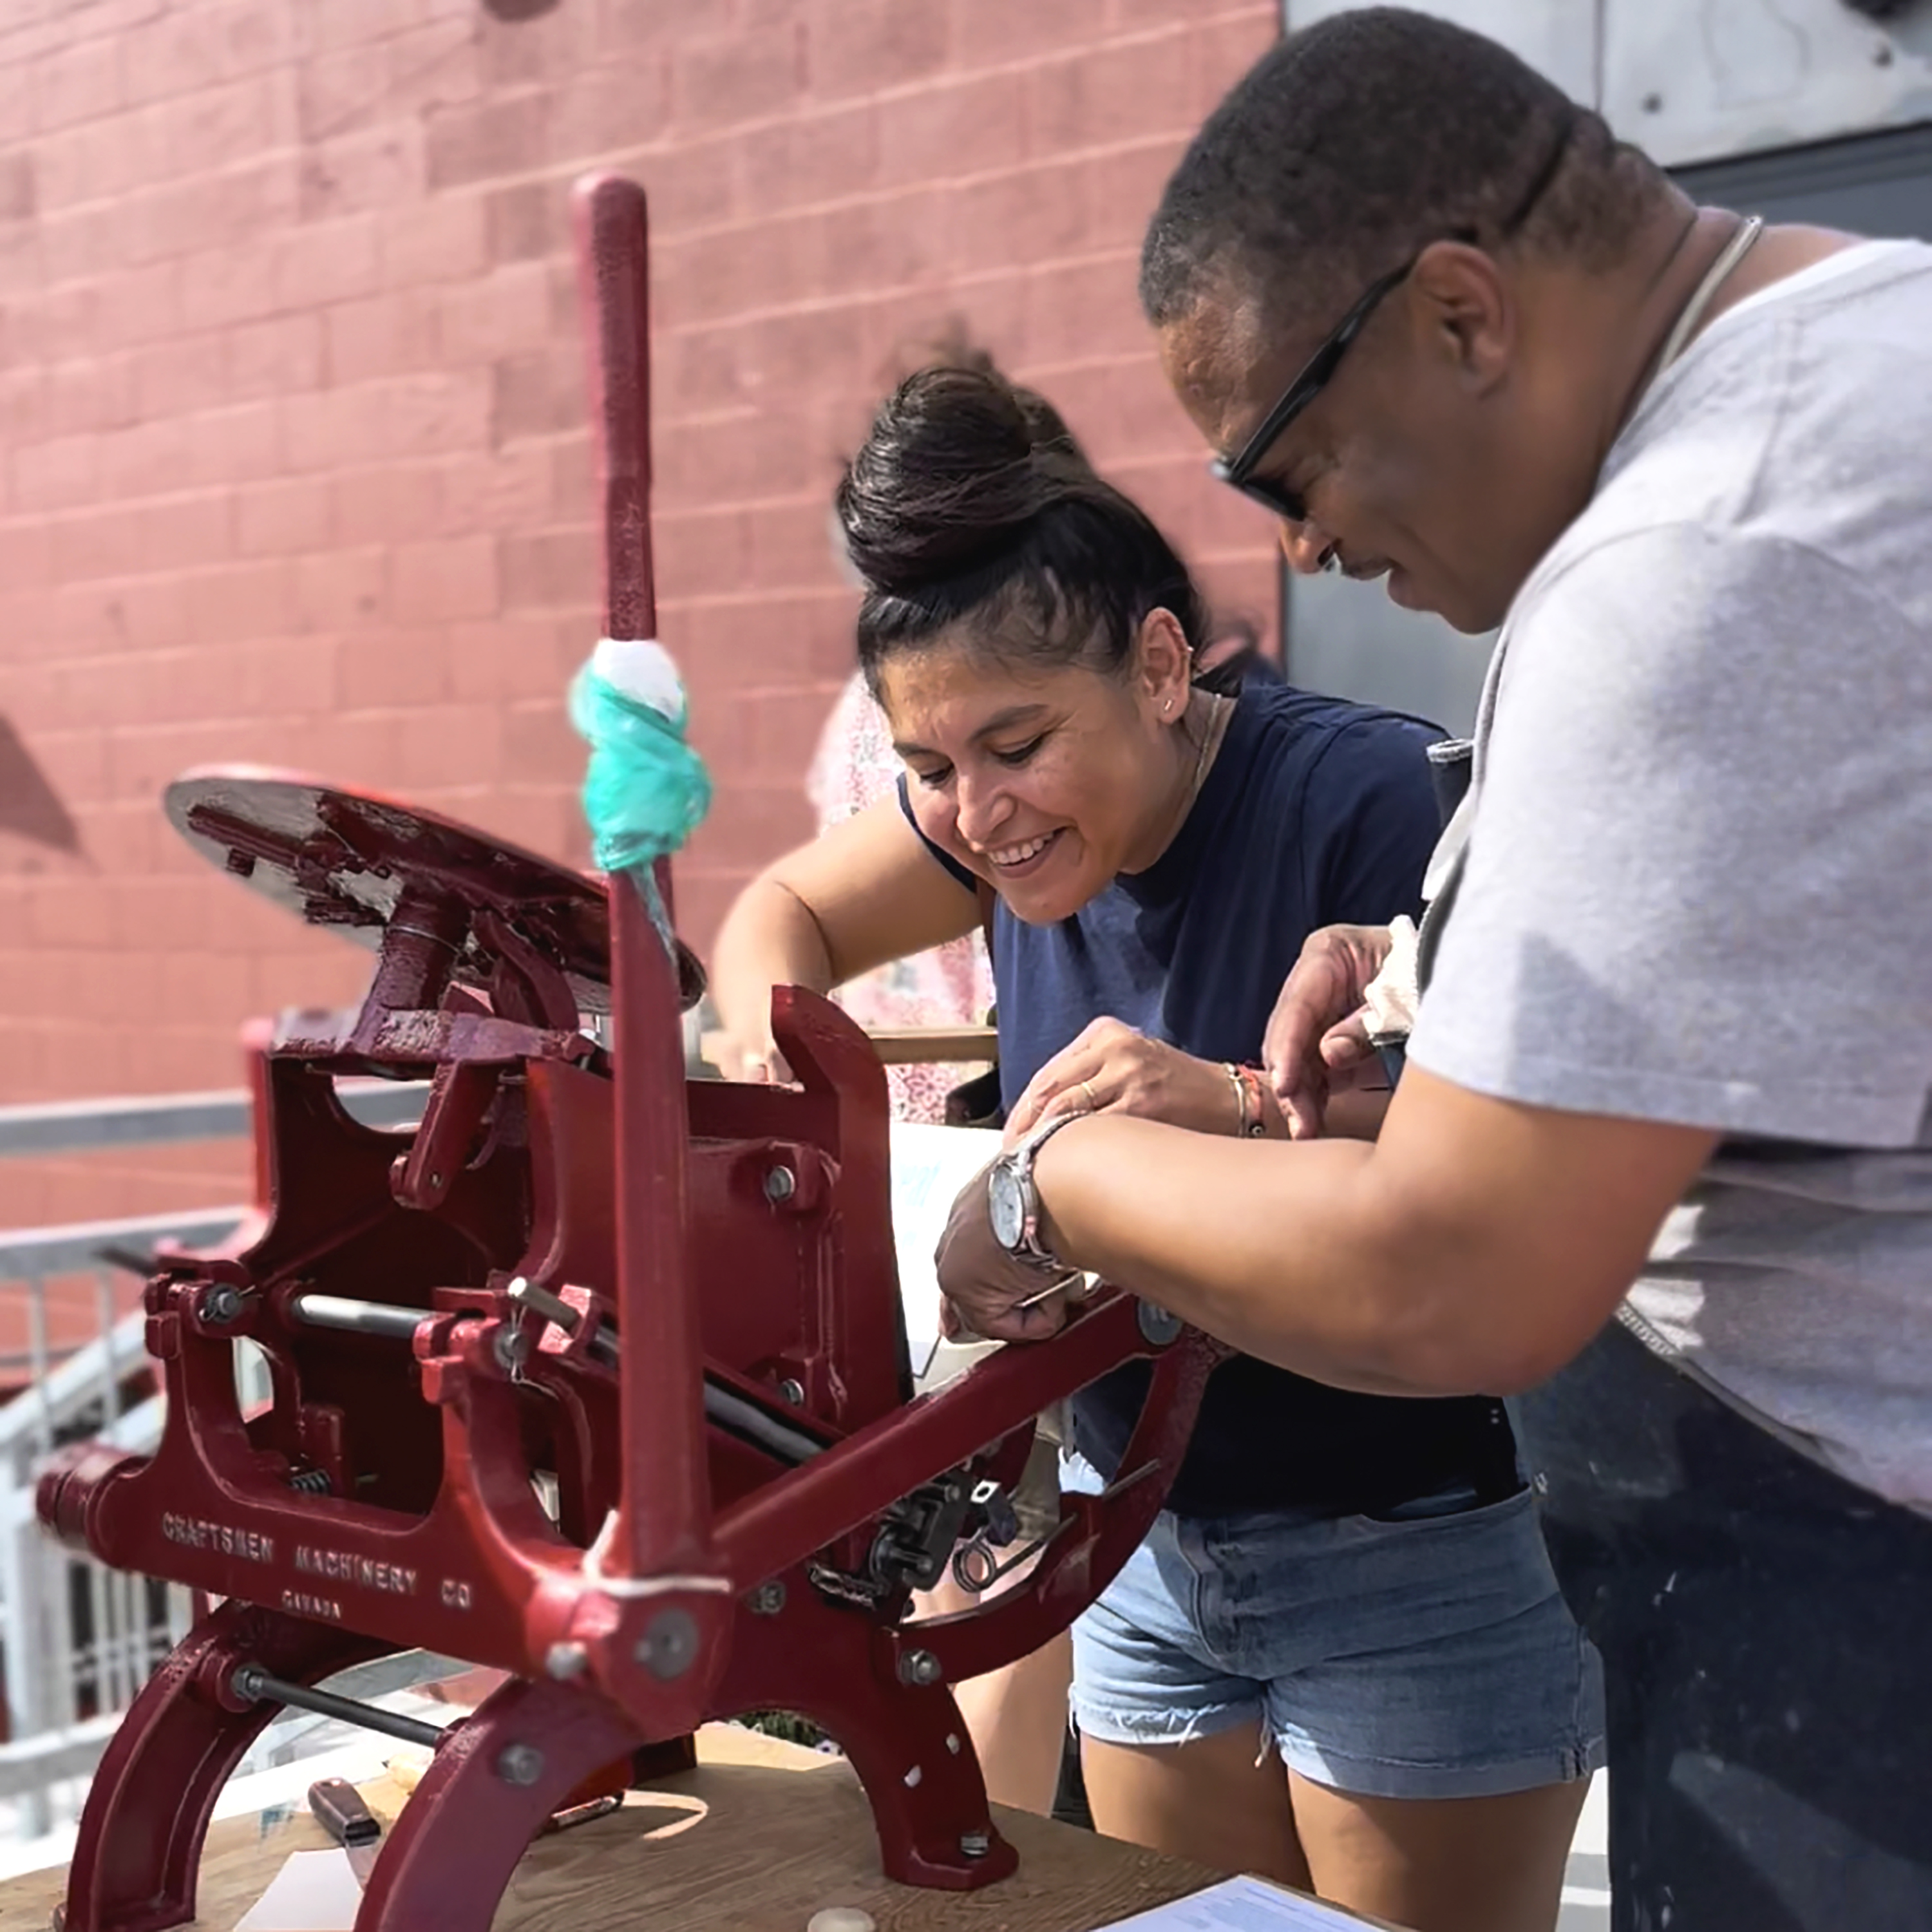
1006,1202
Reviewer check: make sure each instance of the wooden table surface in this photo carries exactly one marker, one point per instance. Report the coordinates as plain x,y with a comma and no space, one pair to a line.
779,1833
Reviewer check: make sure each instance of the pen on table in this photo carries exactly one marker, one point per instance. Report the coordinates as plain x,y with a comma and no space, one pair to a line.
407,1773
581,1814
1066,1281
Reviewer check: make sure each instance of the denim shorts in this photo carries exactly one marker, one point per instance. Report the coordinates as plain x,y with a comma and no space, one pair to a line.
1431,1657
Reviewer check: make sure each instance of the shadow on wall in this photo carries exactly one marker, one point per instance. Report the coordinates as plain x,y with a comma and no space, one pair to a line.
30,807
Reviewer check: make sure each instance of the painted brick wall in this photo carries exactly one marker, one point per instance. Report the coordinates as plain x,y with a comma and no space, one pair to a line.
295,467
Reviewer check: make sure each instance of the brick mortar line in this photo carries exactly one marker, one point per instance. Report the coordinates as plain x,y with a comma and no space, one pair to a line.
948,76
280,309
952,76
890,291
872,198
803,116
166,10
42,25
553,173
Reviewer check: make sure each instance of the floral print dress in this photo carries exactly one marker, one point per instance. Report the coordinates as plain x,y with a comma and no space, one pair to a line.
855,766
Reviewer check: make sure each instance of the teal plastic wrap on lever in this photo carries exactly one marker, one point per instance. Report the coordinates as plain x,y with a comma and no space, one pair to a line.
645,790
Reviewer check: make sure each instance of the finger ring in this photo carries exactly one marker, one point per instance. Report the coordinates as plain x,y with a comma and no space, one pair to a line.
1093,1099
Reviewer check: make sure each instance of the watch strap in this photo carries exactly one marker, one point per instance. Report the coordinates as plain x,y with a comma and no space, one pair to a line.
1021,1159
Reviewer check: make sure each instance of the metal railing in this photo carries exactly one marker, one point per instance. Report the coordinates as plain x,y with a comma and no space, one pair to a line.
78,1639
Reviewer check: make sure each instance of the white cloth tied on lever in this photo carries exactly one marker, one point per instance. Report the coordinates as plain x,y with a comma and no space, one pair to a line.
643,671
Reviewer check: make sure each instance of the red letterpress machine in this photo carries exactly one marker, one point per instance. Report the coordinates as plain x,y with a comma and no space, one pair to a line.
598,1377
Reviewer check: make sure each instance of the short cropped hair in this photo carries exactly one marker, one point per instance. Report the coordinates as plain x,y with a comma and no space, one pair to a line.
1358,140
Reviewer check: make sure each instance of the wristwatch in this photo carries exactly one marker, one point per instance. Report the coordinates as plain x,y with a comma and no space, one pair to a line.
1012,1202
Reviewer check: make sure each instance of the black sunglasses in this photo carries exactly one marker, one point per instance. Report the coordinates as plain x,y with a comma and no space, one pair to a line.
1316,374
1318,371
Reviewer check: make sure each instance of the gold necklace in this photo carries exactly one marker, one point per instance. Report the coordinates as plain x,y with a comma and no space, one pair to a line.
1218,709
1200,766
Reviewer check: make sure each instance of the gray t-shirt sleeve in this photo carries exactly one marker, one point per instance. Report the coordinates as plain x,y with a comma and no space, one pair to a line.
1698,884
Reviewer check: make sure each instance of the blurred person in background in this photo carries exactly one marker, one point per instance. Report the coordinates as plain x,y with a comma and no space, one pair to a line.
947,985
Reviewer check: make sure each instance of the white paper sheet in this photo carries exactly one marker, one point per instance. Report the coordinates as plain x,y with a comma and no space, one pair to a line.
1240,1905
314,1891
930,1165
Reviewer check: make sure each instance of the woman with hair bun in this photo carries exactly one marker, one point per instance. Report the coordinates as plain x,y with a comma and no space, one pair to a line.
1353,1586
854,766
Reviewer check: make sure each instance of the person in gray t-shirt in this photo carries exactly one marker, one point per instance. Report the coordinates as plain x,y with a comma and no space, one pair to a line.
1674,1030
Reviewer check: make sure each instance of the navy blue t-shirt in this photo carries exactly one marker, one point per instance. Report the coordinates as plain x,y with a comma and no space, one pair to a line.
1315,812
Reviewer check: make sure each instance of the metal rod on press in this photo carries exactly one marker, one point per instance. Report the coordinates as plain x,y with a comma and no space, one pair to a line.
721,1406
355,1317
664,1515
251,1681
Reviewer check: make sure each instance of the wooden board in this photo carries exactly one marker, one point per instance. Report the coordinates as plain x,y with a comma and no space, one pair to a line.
905,1046
780,1833
925,1046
